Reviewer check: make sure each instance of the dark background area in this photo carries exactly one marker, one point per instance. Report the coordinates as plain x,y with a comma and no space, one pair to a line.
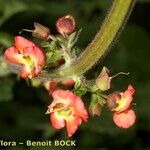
22,107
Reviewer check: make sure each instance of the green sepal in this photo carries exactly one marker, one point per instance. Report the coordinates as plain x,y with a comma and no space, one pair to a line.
49,46
79,89
95,108
53,56
73,38
97,102
96,96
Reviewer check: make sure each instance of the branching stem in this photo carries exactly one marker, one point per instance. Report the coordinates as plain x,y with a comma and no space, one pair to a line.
103,41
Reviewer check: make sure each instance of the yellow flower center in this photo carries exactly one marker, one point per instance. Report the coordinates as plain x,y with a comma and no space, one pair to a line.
29,63
121,103
63,111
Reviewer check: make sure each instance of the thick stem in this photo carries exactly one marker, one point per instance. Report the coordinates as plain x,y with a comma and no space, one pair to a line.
102,42
104,39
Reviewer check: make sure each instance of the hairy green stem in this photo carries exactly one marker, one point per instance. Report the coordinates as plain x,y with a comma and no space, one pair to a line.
102,42
104,39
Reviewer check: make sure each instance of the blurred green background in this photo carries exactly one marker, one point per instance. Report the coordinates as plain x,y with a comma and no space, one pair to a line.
22,107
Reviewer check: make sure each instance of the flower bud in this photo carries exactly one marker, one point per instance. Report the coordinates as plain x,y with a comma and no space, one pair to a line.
68,82
51,86
97,102
103,81
65,25
95,109
41,31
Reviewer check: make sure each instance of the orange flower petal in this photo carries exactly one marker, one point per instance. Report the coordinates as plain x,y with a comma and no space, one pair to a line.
12,55
21,43
80,109
27,53
72,125
126,99
63,96
68,107
26,72
57,122
36,54
124,119
37,57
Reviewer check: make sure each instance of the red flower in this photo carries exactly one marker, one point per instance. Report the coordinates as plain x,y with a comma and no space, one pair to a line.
124,119
67,109
120,102
65,25
125,100
28,54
